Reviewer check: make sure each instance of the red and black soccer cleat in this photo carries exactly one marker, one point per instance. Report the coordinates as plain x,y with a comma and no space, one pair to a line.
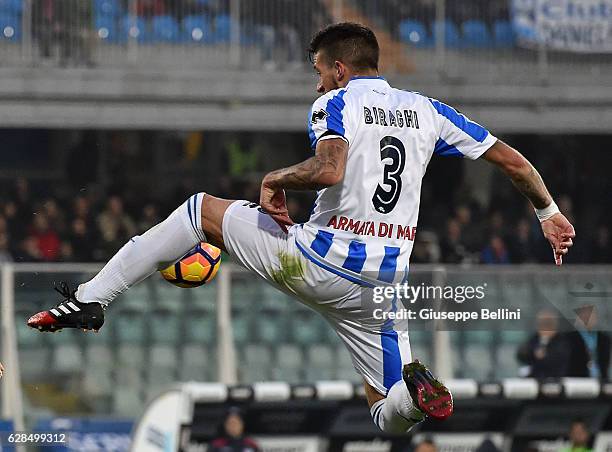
69,313
431,397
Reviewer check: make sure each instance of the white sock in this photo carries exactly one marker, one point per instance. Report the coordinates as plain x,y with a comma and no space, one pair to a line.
144,254
396,413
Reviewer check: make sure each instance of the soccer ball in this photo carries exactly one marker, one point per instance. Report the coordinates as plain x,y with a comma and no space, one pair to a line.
195,268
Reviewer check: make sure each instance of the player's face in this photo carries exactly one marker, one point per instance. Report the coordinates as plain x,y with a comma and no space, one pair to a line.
327,75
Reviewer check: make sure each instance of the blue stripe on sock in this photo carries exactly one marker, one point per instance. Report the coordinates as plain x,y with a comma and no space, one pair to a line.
322,243
356,257
387,269
376,415
191,216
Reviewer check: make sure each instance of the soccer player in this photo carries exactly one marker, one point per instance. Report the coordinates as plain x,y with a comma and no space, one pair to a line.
372,144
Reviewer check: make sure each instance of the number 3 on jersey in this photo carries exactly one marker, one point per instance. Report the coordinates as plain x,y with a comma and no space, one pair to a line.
390,148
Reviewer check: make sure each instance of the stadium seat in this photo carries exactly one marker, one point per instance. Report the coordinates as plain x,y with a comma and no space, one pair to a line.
320,356
129,326
106,29
67,358
200,327
11,7
256,363
476,34
97,355
314,374
34,362
259,355
269,327
477,362
222,28
306,327
289,356
165,29
134,30
163,356
197,29
196,363
10,28
128,377
168,296
165,326
506,365
503,33
108,8
344,363
132,355
127,402
204,298
414,33
140,296
275,300
287,374
452,37
241,327
98,381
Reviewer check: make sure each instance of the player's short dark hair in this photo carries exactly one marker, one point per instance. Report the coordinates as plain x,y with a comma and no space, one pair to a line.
353,44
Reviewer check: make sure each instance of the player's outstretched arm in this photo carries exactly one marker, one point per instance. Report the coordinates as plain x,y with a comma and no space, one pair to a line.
324,169
556,228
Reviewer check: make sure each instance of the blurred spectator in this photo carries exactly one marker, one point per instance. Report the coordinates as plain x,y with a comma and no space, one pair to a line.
81,241
521,247
44,25
426,248
54,215
46,239
427,445
232,437
597,344
546,353
150,217
272,23
601,251
29,251
495,252
5,255
452,247
579,437
115,227
471,232
150,8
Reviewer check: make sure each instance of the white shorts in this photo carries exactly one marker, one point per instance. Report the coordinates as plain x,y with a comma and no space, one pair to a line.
378,350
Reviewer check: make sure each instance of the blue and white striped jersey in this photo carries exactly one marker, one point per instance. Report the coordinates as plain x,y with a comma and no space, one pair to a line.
364,227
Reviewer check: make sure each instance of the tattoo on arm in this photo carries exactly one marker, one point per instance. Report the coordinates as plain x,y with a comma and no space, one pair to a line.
317,172
530,184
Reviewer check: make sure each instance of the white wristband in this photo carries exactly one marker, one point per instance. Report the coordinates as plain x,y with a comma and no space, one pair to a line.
547,212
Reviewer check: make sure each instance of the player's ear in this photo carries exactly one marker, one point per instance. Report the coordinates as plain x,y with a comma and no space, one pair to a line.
340,70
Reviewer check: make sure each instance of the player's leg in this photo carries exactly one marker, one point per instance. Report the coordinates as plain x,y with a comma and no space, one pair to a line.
168,241
399,392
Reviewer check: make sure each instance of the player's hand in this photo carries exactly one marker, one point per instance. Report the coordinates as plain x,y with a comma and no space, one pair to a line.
274,202
559,232
1,370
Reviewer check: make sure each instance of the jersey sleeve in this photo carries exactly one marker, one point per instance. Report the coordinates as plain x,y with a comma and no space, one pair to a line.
328,118
458,136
